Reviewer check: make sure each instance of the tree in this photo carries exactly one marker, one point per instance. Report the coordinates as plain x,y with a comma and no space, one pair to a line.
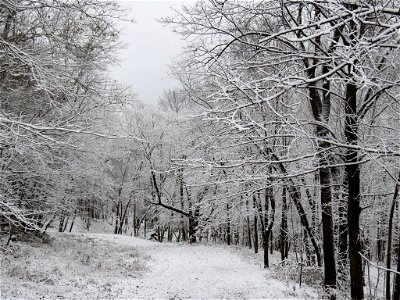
330,58
53,57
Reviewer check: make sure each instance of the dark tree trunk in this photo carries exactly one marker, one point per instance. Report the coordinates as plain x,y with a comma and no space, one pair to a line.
182,231
261,217
49,223
269,199
310,256
327,229
389,246
123,217
249,239
396,288
248,225
341,224
61,224
72,222
134,221
144,227
271,249
228,225
169,234
284,227
117,216
193,223
255,235
255,225
353,200
342,240
266,248
320,104
65,224
160,233
380,242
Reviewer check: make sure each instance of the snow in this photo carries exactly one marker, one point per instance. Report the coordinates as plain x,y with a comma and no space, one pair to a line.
123,267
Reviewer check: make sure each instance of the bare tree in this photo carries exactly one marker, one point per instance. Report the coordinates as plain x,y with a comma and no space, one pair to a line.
53,60
333,60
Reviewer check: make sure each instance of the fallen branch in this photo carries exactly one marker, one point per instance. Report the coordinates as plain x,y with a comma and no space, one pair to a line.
378,267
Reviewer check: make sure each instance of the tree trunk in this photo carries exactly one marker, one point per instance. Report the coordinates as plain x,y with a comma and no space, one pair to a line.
342,240
271,249
193,223
341,224
353,200
144,227
123,216
284,227
389,244
255,224
134,222
192,231
261,217
396,288
72,222
65,224
117,216
320,104
61,224
228,225
312,203
269,198
309,255
327,229
248,225
182,231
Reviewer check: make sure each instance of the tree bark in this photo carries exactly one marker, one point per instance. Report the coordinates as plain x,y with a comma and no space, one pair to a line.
123,217
61,224
353,201
255,224
269,199
327,229
396,288
284,227
389,250
72,222
248,225
228,225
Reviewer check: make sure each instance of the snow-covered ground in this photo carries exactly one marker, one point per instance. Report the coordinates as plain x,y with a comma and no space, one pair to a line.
94,265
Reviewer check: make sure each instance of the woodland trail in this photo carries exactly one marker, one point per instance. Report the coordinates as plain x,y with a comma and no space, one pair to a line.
201,271
108,266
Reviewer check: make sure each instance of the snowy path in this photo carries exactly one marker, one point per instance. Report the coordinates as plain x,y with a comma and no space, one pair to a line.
199,271
107,266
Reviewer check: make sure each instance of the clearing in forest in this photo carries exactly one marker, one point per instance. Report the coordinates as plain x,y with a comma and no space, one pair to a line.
112,266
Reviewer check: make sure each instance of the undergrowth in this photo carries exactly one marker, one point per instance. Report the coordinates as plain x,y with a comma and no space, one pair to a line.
67,261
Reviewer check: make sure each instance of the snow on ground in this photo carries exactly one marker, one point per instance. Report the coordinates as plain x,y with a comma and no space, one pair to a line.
113,266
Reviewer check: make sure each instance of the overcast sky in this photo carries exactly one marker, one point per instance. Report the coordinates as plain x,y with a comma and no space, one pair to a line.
149,50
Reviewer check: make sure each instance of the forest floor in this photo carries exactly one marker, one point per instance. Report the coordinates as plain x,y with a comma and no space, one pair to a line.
89,265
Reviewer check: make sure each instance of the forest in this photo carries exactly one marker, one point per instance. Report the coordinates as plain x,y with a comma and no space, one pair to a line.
283,136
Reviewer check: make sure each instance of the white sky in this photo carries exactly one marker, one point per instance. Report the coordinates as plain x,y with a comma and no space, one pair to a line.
150,47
